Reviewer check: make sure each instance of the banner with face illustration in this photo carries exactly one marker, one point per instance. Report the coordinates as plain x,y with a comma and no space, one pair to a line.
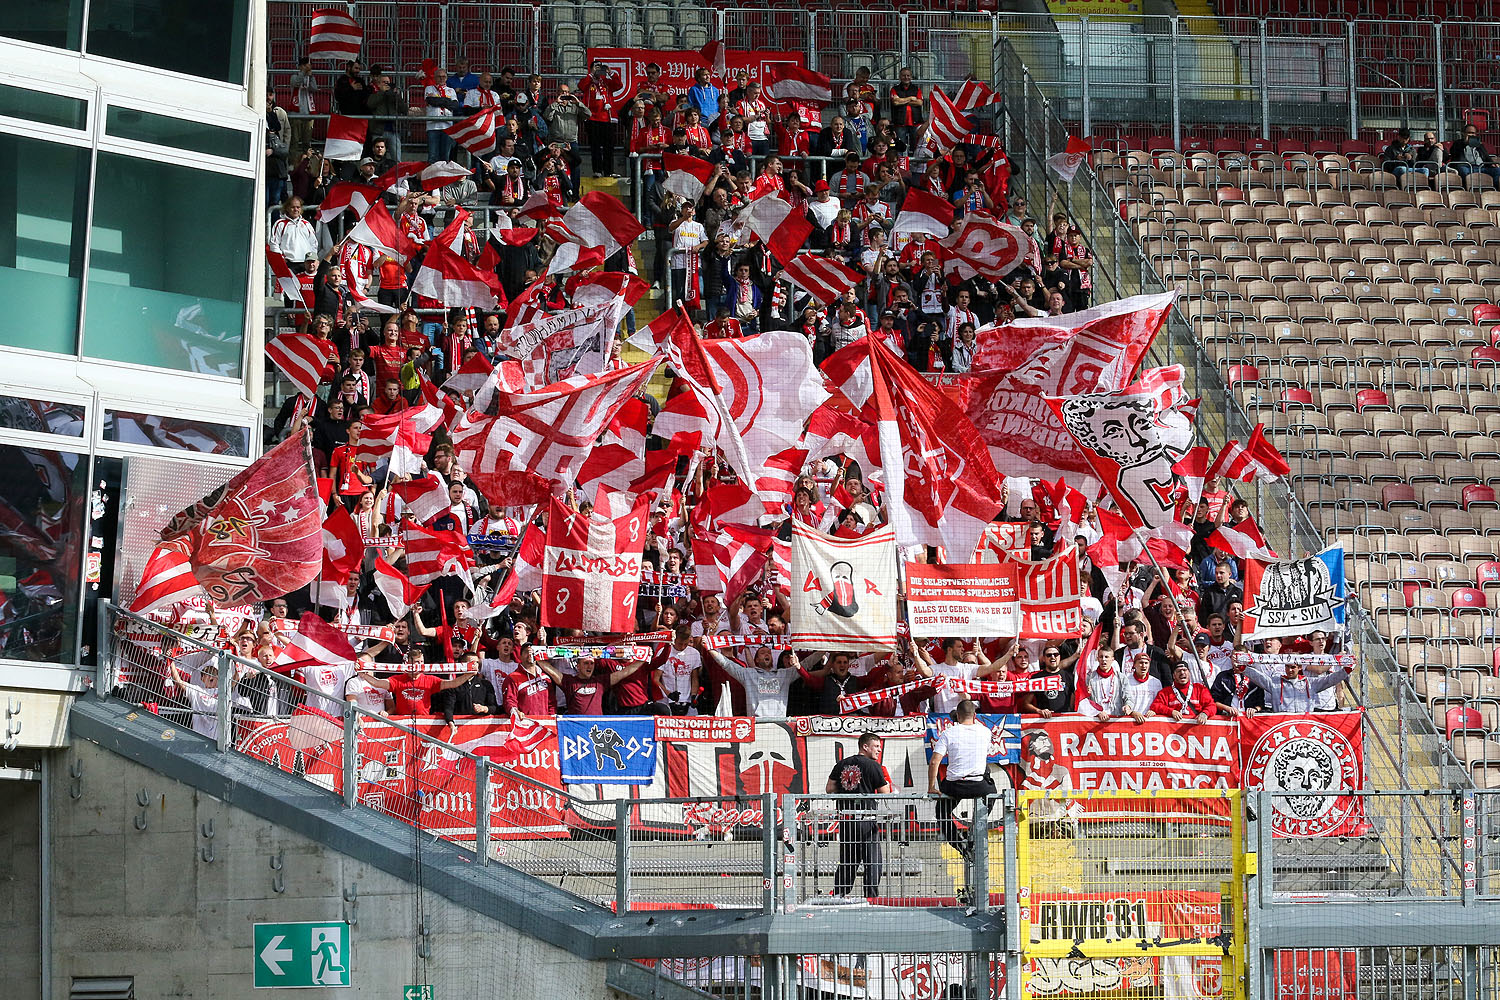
1130,439
1305,761
1295,596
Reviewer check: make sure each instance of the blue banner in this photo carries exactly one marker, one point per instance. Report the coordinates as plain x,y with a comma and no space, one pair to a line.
1333,558
607,749
1005,736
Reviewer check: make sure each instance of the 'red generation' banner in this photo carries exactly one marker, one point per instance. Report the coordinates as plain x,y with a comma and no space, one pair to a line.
678,67
962,599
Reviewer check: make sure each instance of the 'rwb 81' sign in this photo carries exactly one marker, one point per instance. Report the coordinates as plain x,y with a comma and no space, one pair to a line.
607,749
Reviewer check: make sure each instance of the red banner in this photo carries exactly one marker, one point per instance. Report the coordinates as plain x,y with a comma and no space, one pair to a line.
1301,758
677,68
1317,974
962,599
1050,597
704,729
1090,756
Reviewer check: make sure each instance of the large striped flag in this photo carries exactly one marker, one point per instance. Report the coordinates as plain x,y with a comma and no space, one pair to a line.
824,278
347,195
335,36
591,572
947,125
1255,460
475,133
346,138
787,82
302,358
167,579
286,279
687,176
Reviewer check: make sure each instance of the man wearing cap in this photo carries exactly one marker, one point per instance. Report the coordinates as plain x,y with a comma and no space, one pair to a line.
1049,703
891,330
1186,700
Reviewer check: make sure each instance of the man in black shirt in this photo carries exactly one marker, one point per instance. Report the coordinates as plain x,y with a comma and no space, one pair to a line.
859,843
1050,703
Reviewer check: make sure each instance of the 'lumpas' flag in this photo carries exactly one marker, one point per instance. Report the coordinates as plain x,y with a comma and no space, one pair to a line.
260,535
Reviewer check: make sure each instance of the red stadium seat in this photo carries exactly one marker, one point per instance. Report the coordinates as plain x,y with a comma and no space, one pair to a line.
1487,573
1469,599
1295,397
1372,399
1477,495
1243,375
1485,355
1486,312
1393,494
1459,718
1259,145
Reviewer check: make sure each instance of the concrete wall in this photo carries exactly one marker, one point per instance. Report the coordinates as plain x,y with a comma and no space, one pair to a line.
144,903
20,887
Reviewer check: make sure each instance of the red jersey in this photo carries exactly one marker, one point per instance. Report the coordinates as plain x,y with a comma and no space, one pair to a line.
585,695
638,689
529,694
596,96
388,362
413,695
697,137
649,139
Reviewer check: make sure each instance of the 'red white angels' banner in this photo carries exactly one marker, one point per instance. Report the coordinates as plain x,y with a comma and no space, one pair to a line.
1305,760
1051,596
1131,443
1018,364
591,573
962,599
843,590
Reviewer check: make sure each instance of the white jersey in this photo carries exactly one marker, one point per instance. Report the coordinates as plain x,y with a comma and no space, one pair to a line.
1137,696
362,694
967,748
765,690
945,701
495,671
328,680
1294,696
1104,694
677,673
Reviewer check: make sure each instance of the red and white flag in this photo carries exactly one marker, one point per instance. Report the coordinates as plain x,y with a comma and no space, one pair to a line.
687,176
315,644
824,278
301,357
167,579
789,82
1065,164
470,375
974,94
475,133
1193,468
924,212
259,535
732,559
620,457
335,36
714,53
379,231
525,736
983,245
343,548
946,124
942,487
453,281
1099,349
425,496
538,206
544,435
781,227
597,220
1243,541
399,592
592,569
433,553
286,280
833,430
1255,460
426,176
843,590
346,138
344,196
394,437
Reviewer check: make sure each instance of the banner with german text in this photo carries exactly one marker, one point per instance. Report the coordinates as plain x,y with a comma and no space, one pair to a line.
962,599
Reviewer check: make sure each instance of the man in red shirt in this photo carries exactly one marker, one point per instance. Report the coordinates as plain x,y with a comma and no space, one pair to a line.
1185,700
597,90
412,690
528,690
638,693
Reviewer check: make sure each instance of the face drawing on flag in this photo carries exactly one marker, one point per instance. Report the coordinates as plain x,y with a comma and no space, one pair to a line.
1121,431
1302,765
1303,584
841,599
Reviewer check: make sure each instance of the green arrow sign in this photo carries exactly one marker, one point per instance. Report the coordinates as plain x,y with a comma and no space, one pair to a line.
416,993
292,956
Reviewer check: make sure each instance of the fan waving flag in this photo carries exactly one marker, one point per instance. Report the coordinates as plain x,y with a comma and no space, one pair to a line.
345,196
425,496
1131,443
598,220
475,133
947,125
260,535
399,592
1065,164
1257,460
346,138
843,590
983,245
924,212
974,94
591,572
428,176
315,644
431,554
687,176
824,278
335,36
942,486
167,579
788,82
379,231
782,228
343,549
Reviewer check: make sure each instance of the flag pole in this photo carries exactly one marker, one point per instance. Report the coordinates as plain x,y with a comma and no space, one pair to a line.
1162,577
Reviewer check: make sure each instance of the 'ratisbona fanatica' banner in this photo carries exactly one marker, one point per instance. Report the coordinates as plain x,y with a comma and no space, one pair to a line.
1299,758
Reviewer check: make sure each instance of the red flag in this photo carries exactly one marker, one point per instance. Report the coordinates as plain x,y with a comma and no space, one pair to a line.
824,278
346,138
1065,164
303,358
427,176
525,736
782,228
544,436
1193,468
974,94
335,36
714,53
790,82
315,644
1256,459
943,488
597,220
431,554
259,535
476,133
470,375
453,281
687,176
983,245
592,569
424,497
399,592
946,124
379,231
287,282
343,549
1084,665
924,212
167,579
1243,541
344,196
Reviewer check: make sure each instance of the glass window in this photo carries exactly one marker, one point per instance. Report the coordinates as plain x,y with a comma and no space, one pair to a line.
169,266
143,126
199,39
58,23
44,500
42,416
43,196
37,106
176,433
